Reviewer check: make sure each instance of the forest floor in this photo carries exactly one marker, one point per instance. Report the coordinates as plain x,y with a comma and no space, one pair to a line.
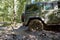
21,33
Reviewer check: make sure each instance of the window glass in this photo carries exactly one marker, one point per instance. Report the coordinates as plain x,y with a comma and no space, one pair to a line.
48,6
58,4
32,7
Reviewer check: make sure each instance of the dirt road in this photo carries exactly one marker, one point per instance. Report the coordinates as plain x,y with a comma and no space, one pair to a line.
21,33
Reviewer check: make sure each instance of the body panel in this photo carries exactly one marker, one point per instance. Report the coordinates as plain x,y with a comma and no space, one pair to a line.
49,12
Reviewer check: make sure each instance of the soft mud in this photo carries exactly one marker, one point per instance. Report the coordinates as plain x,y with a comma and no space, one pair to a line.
23,34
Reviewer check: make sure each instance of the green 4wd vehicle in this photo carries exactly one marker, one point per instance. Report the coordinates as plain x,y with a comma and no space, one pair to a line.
38,15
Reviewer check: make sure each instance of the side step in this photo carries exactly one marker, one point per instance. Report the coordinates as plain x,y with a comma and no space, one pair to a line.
52,28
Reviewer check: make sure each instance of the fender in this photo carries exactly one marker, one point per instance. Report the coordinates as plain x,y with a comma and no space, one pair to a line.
32,18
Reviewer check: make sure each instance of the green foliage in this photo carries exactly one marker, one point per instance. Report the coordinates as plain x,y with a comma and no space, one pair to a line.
6,24
4,8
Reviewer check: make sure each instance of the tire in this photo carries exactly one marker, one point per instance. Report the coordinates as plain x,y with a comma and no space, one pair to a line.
36,25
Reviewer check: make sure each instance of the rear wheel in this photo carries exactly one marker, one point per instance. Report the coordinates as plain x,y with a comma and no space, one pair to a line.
36,25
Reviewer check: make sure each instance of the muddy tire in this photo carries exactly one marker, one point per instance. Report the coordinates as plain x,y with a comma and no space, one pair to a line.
36,25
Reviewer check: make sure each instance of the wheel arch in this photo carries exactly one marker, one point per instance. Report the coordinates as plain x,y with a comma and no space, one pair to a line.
36,18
